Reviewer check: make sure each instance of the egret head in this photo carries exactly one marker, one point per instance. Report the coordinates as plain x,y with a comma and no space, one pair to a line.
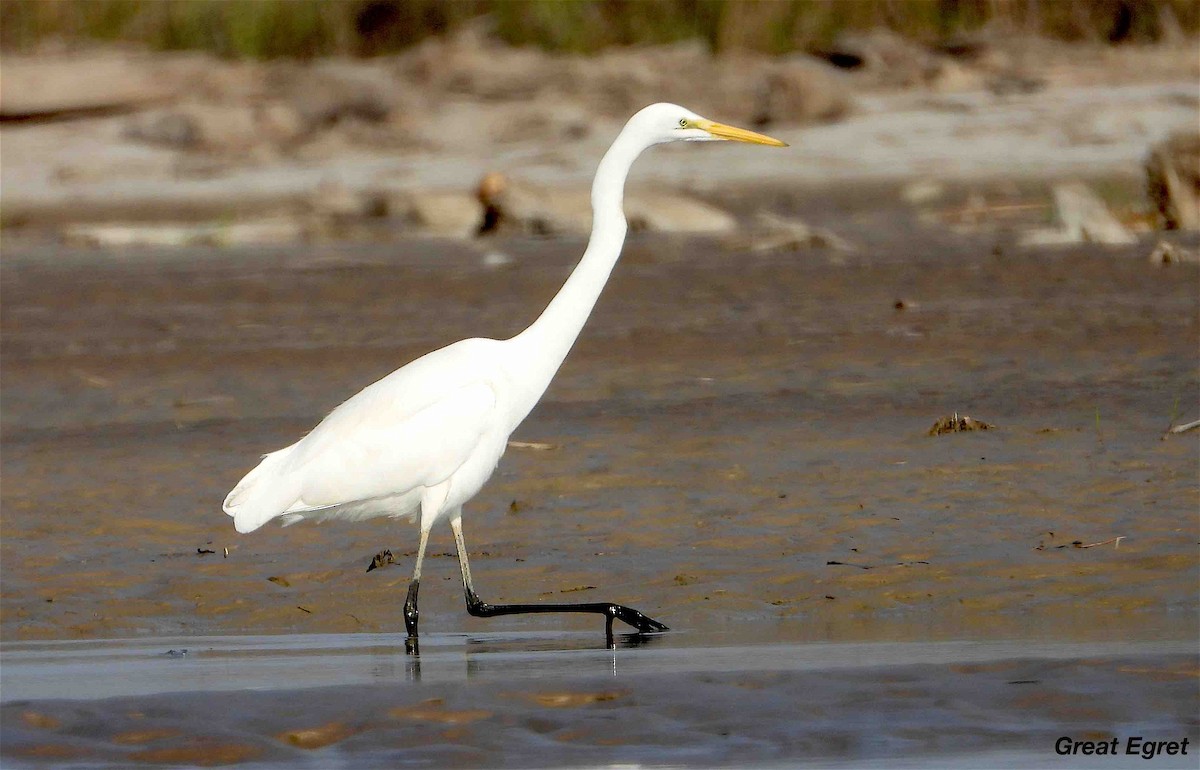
663,122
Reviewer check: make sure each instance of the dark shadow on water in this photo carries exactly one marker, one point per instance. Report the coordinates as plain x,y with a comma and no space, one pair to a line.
559,643
495,655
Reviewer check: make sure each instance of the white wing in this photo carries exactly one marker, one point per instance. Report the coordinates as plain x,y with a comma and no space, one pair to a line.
412,429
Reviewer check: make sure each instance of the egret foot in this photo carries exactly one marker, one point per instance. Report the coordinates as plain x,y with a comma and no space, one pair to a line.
645,625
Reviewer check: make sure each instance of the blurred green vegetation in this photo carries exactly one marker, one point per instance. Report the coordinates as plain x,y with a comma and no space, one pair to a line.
307,28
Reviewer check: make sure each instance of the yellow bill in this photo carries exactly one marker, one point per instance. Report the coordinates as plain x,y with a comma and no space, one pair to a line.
722,131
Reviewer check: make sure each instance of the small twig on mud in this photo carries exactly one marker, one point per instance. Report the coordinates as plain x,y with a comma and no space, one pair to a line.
978,210
94,380
575,589
871,566
1174,429
539,445
1116,541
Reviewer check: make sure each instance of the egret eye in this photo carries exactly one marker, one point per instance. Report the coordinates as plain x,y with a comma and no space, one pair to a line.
683,122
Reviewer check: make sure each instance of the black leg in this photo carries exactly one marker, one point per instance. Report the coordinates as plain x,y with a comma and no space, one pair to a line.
481,609
411,612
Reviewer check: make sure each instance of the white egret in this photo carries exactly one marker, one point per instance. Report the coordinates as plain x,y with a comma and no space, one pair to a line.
424,439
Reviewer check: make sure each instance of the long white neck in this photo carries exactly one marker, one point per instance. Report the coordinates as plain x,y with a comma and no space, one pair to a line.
540,349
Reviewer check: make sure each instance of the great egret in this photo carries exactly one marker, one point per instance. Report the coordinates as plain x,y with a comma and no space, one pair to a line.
425,438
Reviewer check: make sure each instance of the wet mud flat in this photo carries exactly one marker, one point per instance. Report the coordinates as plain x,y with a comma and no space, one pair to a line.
737,446
737,438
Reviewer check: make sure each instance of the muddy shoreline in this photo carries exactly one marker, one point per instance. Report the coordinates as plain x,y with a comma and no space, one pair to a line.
727,426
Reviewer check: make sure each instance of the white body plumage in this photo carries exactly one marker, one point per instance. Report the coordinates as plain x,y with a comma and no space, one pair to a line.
426,436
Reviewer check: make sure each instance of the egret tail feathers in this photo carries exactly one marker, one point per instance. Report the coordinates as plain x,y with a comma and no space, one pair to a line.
265,493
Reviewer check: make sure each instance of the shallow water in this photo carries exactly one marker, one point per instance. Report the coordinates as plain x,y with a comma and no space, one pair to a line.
527,700
88,670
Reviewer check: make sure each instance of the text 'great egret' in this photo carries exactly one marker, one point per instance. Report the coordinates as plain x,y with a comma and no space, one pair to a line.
425,438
